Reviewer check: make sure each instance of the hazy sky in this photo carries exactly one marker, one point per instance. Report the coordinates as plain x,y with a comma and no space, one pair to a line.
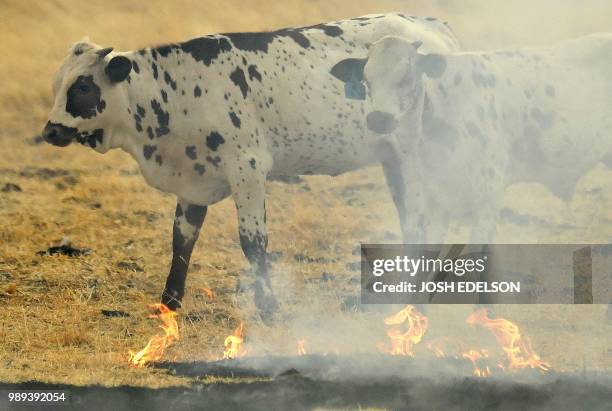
499,23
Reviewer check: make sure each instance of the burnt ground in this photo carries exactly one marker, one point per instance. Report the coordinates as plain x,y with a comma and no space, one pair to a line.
295,392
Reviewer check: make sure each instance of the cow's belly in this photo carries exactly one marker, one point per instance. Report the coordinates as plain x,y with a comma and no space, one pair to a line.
176,175
322,155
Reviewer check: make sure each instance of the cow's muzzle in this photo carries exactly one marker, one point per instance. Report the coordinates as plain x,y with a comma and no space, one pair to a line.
381,122
58,134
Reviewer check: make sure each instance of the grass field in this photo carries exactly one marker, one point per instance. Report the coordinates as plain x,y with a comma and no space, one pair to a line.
52,328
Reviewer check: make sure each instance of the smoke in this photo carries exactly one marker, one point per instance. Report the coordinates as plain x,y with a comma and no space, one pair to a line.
498,23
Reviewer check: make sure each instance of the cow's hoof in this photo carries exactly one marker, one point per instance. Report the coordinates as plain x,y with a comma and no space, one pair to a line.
170,299
265,300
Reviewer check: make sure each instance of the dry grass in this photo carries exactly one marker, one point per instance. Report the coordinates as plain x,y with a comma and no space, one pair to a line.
52,328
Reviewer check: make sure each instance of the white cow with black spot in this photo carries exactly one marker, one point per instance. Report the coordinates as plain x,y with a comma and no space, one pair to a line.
219,114
466,125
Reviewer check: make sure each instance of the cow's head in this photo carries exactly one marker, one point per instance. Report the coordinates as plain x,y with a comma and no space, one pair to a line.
392,72
88,93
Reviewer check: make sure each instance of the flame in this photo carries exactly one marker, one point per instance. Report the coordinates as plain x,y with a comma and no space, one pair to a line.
233,344
209,293
301,347
402,343
475,356
154,350
516,346
436,346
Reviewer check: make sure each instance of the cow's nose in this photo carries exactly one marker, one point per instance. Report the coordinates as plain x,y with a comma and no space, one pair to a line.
381,122
57,134
51,132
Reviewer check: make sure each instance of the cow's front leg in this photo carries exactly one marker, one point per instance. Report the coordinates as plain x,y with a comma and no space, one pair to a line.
248,191
188,219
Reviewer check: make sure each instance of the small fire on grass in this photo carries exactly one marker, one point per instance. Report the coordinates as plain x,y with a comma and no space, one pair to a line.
301,347
155,348
475,357
406,330
233,344
210,293
516,346
403,342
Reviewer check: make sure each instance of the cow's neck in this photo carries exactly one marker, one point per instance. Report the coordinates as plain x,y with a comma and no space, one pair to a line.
150,91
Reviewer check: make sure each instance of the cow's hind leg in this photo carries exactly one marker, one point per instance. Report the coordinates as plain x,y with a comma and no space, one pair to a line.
248,191
188,219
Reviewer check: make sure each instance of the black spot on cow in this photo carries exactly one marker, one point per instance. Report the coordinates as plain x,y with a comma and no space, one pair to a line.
195,214
252,162
237,77
206,49
199,168
179,211
527,149
164,96
260,41
214,140
214,160
251,41
165,50
190,151
135,67
150,132
158,159
331,31
298,37
154,68
197,91
140,110
235,119
253,73
544,120
138,121
154,54
474,131
169,80
84,98
147,151
91,139
163,118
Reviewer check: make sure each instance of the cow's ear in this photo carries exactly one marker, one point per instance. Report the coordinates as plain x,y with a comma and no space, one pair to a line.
118,68
349,69
431,64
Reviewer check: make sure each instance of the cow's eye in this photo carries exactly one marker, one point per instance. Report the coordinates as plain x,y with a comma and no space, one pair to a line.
84,88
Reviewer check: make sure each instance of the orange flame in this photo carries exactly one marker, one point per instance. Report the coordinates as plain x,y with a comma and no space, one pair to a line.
436,346
233,344
402,343
475,356
154,350
301,347
516,346
209,293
